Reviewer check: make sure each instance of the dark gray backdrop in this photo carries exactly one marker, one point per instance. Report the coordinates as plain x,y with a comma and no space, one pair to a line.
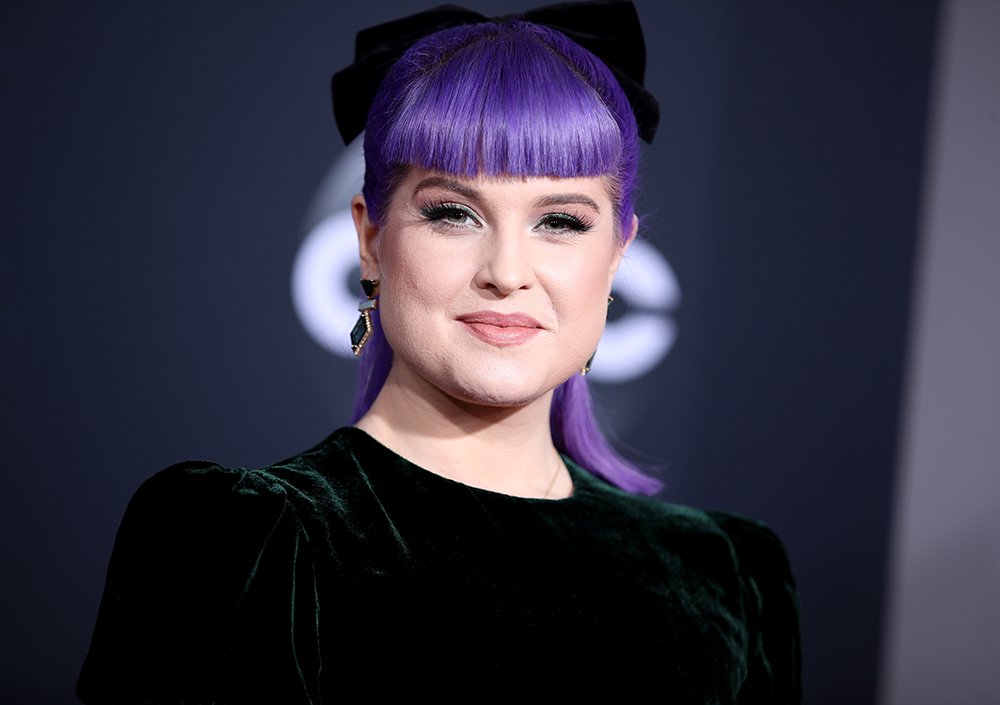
159,160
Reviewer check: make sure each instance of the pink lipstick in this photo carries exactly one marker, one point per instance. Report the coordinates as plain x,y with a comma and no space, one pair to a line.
501,329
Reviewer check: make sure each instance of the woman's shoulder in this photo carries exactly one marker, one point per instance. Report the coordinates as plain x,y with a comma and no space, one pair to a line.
750,546
757,546
193,484
201,517
198,544
754,547
742,532
771,609
758,559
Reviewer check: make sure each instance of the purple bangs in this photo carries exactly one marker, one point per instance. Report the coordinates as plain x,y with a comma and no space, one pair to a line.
515,99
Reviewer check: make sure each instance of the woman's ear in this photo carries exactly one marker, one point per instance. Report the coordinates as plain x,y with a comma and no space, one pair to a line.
621,247
367,238
631,235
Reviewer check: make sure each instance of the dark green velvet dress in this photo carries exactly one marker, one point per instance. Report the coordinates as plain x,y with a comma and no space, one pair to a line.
347,573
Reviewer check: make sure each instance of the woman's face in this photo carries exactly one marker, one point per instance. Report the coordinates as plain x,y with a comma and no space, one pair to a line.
492,290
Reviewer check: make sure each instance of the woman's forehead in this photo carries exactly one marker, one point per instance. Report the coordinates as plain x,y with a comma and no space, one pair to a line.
418,179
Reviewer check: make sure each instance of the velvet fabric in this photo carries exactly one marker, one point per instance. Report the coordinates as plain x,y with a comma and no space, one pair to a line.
348,572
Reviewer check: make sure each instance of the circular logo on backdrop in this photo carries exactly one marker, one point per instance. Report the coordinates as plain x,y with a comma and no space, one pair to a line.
325,288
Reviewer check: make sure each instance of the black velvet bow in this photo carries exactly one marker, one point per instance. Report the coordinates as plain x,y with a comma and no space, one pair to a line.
610,29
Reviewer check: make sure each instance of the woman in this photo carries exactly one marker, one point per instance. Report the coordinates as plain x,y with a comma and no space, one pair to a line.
471,526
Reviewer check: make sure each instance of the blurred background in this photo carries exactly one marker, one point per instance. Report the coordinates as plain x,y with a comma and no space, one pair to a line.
809,333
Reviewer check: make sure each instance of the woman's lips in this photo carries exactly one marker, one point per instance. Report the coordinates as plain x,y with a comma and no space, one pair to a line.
501,329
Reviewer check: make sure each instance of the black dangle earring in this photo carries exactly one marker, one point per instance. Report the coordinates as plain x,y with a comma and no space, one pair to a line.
362,330
586,367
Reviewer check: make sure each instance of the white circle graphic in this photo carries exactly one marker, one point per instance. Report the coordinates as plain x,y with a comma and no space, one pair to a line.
325,304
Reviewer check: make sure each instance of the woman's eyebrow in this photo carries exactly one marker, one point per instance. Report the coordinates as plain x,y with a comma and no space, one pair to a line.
448,184
561,199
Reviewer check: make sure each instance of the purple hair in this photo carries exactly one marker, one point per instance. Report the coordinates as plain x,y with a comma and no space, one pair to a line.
511,99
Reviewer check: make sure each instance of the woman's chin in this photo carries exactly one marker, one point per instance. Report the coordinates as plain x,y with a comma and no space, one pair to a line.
503,388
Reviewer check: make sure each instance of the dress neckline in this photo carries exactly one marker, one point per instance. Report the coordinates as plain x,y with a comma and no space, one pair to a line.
583,481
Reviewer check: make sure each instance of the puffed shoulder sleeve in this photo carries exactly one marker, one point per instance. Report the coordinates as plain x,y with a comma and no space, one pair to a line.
772,612
189,543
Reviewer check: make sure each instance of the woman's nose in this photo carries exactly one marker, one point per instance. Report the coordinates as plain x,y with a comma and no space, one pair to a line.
506,262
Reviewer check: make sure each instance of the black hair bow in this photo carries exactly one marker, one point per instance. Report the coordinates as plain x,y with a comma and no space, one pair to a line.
610,29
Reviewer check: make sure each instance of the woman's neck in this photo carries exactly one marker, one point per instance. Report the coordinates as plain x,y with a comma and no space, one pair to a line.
506,449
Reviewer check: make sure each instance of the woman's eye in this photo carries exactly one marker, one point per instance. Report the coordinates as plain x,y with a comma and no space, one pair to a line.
563,222
450,214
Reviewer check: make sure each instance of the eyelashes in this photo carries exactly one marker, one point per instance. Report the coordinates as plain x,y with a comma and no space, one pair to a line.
451,215
560,222
454,216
